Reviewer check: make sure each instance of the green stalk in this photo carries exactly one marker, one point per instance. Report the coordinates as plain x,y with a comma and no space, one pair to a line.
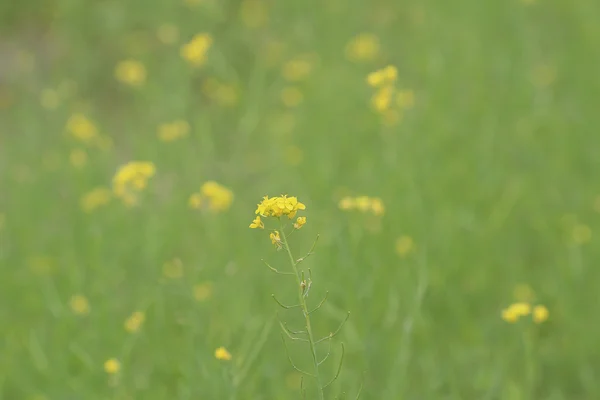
304,307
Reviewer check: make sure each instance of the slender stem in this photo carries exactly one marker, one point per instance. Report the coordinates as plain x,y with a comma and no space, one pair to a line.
305,311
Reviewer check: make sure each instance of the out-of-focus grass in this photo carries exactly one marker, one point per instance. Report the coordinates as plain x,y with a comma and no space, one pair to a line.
492,174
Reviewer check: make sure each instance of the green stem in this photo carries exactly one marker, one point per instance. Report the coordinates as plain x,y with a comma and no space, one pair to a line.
304,306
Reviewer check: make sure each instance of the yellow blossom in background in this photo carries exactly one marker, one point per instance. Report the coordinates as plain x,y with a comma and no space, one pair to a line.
79,305
291,96
581,234
254,13
363,47
134,322
405,99
347,203
173,269
213,196
405,245
131,72
377,206
95,198
383,77
78,158
257,223
516,311
203,291
540,314
298,68
112,366
172,131
131,179
362,203
167,33
49,99
222,354
300,221
382,99
196,49
81,128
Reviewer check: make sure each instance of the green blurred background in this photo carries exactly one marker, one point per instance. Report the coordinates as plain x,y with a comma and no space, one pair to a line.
489,182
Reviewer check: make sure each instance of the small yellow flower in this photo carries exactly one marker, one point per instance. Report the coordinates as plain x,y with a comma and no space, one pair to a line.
94,199
81,128
212,195
347,203
173,269
167,33
363,47
254,13
297,69
257,223
134,322
382,99
300,221
362,203
404,245
222,354
196,49
377,206
131,72
112,366
275,238
540,314
203,291
79,304
195,201
291,96
172,131
509,316
382,77
516,311
78,158
132,178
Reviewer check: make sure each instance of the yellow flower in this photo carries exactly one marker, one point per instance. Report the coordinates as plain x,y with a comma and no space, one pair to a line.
405,99
377,206
175,130
254,13
516,311
363,47
275,238
112,366
347,203
79,304
291,96
540,314
81,128
300,221
382,99
363,203
167,33
203,291
297,69
278,206
132,178
212,195
78,158
222,354
134,322
196,49
382,77
49,99
94,199
173,269
257,223
404,245
131,72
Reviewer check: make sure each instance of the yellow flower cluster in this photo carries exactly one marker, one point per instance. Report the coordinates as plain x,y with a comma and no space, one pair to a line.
222,354
112,366
363,204
298,68
132,178
81,128
363,47
279,206
94,199
79,304
131,72
172,131
196,49
384,80
213,196
515,311
134,322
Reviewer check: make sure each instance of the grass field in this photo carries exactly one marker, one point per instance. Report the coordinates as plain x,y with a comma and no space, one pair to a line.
479,163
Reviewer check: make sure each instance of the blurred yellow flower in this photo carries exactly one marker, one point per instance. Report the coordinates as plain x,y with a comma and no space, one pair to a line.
131,72
254,13
132,178
203,291
383,77
79,304
78,158
581,234
173,269
382,99
167,33
134,322
95,198
49,99
291,96
298,68
300,221
377,206
81,128
347,203
196,49
172,131
540,314
212,195
405,245
257,223
363,47
516,311
222,354
363,203
112,366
